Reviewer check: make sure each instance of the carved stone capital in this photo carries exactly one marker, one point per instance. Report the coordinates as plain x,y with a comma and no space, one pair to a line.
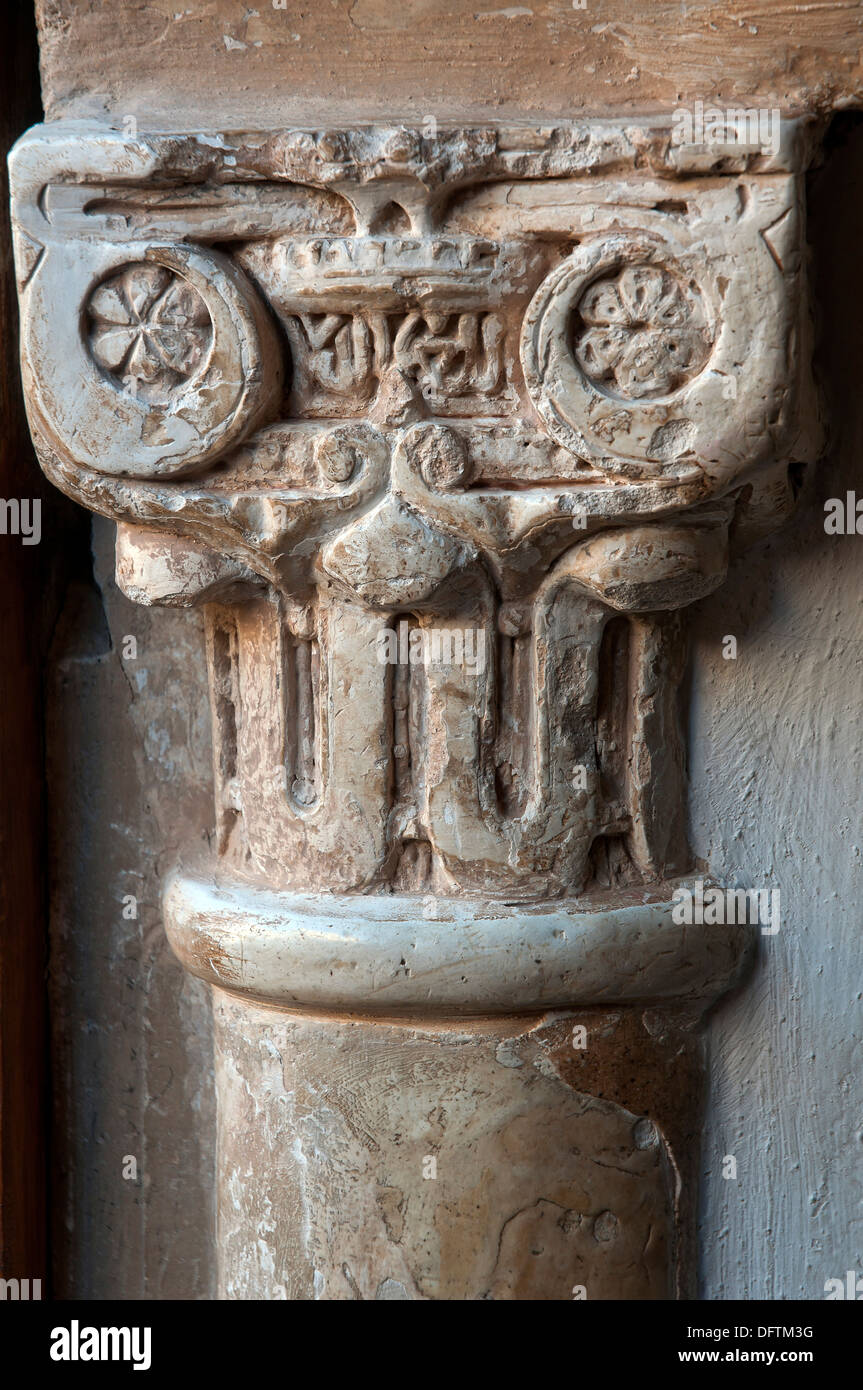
444,431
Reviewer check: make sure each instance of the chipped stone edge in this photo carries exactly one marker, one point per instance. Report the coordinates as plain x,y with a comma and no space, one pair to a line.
75,151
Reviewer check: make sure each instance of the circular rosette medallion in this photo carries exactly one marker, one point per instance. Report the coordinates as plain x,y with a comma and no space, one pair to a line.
614,346
175,358
150,330
640,333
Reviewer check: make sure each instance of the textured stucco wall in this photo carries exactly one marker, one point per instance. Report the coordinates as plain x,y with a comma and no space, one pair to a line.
130,778
776,763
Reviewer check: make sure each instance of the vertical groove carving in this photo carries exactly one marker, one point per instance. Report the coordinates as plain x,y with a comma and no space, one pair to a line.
657,841
515,723
223,662
409,863
300,684
613,717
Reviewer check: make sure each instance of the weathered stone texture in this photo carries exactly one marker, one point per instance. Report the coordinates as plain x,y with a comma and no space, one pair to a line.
389,1161
225,64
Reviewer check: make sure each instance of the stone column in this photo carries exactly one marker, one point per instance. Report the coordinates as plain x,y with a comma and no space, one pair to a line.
445,431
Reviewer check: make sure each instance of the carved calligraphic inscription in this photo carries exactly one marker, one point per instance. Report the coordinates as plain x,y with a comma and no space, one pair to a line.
337,354
449,357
